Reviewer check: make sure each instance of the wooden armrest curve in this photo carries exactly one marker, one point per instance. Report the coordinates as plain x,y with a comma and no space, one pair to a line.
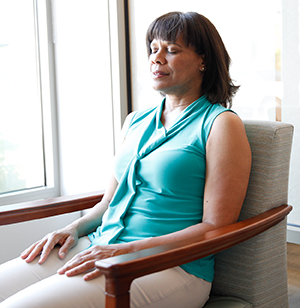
121,270
48,207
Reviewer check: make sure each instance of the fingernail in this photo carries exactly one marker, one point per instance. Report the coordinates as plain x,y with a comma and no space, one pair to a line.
62,255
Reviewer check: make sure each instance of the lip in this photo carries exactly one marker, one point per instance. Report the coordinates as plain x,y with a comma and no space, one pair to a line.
159,74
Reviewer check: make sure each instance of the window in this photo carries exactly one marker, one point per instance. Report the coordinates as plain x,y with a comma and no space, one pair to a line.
83,77
25,152
21,142
78,89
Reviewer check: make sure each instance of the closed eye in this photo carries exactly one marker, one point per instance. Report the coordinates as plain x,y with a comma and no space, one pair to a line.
153,50
169,51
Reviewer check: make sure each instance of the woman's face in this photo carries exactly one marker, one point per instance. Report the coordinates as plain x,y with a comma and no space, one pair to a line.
175,68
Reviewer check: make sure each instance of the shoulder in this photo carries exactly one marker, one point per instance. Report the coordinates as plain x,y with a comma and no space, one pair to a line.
228,134
214,115
227,122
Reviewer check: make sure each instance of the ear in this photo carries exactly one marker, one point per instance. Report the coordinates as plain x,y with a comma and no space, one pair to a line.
202,66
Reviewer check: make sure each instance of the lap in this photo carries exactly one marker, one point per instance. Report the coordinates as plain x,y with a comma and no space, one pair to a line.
170,288
59,291
19,275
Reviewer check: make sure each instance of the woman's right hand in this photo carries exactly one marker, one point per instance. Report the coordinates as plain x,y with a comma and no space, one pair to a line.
66,238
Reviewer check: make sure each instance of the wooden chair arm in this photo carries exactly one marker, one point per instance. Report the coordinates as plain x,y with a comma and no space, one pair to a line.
120,271
48,207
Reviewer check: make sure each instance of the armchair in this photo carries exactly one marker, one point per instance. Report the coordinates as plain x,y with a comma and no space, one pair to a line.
251,254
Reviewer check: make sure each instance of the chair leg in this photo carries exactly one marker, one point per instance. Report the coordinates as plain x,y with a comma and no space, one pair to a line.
119,301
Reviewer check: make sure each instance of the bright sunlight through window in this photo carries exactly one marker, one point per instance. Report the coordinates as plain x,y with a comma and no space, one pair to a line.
21,140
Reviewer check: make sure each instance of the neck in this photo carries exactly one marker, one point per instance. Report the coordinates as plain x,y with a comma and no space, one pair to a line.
172,109
173,103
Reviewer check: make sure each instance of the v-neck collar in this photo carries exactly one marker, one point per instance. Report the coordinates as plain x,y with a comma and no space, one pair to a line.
197,104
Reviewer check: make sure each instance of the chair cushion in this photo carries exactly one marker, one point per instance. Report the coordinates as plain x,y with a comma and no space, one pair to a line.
226,302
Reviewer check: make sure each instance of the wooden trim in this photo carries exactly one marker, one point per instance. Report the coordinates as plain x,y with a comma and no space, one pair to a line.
120,271
48,207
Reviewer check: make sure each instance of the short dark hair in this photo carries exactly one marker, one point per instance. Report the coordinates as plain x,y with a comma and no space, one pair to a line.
200,34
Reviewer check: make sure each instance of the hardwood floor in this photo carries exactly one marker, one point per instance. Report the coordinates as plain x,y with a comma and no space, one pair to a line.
293,264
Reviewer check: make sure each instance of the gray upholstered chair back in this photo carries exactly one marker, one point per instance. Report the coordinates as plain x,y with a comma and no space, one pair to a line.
256,269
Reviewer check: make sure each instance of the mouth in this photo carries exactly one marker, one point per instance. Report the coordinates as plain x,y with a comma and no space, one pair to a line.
159,74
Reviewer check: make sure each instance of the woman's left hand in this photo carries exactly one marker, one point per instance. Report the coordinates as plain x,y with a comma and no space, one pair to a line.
85,261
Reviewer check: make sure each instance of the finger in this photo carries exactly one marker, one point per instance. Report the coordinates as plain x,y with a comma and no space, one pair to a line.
49,244
77,260
66,246
47,248
27,251
92,275
37,249
82,268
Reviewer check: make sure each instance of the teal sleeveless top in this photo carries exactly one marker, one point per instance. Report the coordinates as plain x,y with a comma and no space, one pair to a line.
161,176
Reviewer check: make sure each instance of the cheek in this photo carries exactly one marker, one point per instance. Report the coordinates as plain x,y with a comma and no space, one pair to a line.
194,71
179,70
187,72
186,66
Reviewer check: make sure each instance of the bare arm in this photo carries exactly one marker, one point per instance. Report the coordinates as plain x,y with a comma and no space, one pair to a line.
228,170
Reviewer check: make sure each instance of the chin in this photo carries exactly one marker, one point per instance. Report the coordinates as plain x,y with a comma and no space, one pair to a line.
161,92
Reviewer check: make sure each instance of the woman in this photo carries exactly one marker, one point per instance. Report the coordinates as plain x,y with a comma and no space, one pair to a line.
183,170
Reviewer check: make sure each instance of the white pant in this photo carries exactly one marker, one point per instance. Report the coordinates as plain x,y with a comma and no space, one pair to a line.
25,285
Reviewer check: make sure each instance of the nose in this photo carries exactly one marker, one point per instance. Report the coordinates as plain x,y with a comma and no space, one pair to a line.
157,57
